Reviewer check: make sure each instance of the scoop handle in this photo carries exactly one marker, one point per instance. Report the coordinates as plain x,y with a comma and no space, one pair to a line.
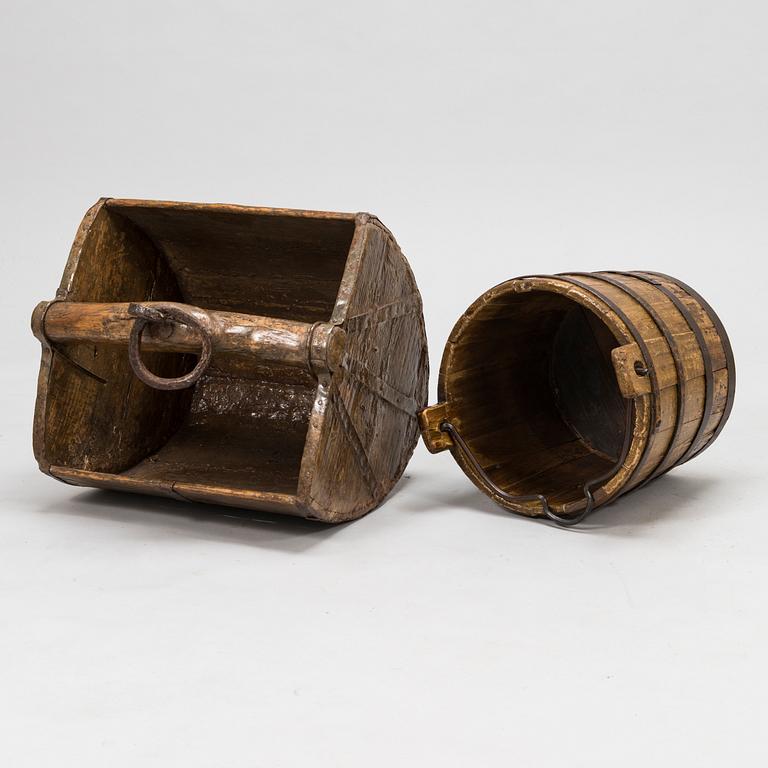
175,327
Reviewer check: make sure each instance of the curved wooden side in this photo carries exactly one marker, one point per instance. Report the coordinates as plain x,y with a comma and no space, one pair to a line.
363,427
690,357
720,353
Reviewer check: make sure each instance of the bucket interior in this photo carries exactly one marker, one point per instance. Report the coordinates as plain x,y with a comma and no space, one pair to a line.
535,393
241,427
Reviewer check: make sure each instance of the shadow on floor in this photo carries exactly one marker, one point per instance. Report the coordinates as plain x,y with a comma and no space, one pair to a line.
670,497
164,517
203,521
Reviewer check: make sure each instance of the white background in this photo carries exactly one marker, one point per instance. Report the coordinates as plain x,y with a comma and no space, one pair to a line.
494,139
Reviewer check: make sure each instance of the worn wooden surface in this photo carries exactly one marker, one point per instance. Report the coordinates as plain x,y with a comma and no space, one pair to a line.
257,339
319,368
542,375
363,427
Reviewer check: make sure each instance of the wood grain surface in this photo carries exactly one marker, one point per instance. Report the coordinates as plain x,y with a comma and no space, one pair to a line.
318,370
543,376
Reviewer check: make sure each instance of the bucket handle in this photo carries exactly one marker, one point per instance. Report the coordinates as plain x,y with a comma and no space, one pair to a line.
492,489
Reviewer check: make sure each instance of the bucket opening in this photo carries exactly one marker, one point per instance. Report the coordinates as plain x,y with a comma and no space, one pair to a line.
535,393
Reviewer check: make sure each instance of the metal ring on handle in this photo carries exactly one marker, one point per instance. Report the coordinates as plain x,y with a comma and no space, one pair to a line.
160,313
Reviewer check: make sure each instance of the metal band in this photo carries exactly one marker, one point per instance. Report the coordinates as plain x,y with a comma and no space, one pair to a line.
730,361
674,349
636,335
709,375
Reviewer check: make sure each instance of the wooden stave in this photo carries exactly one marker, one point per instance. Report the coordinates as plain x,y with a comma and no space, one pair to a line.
643,473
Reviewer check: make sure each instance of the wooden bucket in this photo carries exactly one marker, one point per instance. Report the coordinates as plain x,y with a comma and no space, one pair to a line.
312,358
560,393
